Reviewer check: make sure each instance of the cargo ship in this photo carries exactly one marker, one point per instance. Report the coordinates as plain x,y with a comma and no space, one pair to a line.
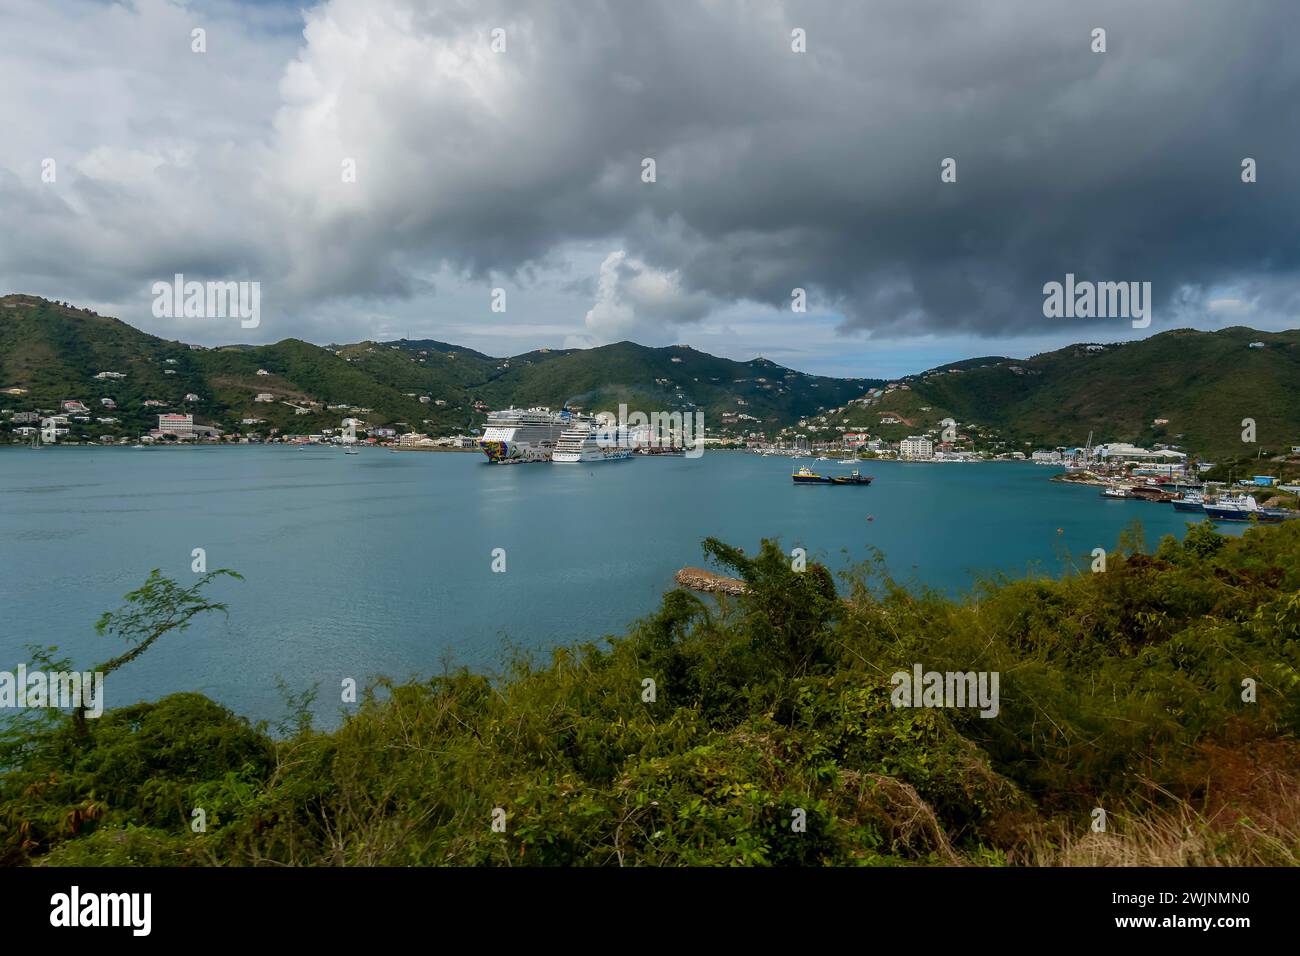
1245,508
806,476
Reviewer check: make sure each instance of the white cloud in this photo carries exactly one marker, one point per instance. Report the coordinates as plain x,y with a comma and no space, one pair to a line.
636,301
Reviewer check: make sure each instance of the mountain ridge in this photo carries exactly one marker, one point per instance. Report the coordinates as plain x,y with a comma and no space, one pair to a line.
1183,388
54,350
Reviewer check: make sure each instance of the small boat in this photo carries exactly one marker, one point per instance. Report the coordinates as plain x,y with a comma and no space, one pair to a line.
1190,502
350,450
847,461
852,478
806,476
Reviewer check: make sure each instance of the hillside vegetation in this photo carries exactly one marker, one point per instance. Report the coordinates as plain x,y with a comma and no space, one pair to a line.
1203,383
54,350
770,738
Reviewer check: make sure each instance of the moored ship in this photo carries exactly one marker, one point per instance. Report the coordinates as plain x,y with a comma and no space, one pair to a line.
588,441
1244,508
523,434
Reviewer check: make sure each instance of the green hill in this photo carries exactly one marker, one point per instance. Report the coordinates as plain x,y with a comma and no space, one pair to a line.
1201,384
1183,388
53,351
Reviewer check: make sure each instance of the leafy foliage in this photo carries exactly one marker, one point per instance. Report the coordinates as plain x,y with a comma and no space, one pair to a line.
771,711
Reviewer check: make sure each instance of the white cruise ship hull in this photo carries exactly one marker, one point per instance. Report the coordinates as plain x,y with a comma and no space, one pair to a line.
595,454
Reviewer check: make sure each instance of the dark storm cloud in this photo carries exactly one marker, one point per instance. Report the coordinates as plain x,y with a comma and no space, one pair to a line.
775,170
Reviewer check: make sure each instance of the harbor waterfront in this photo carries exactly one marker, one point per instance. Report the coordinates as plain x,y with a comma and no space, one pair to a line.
382,563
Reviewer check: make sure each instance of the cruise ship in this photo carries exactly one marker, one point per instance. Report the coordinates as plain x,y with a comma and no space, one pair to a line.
588,441
523,434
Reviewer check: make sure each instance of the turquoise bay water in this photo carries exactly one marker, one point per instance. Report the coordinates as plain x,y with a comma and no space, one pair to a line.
381,562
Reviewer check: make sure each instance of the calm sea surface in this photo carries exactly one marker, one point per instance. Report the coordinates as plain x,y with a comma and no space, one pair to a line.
380,563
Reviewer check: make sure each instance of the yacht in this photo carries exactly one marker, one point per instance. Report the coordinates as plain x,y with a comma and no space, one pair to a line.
523,434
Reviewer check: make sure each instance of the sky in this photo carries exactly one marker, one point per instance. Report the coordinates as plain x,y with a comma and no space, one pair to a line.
380,167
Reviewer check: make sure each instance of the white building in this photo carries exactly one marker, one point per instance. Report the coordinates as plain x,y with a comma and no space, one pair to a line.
1123,451
916,446
182,426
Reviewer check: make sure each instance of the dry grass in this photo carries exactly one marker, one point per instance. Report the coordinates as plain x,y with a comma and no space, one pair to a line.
1244,811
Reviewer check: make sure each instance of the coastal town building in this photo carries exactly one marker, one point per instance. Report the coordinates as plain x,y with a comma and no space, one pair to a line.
1124,452
182,426
916,446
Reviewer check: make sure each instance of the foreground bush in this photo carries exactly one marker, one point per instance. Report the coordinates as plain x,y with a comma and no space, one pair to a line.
771,737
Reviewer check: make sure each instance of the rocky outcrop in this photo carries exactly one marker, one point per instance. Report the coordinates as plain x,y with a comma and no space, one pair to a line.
698,579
